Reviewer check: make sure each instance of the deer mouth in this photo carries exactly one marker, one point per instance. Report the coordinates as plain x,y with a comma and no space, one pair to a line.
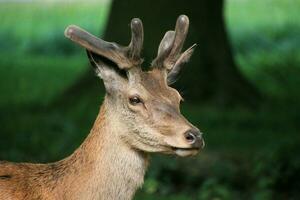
183,152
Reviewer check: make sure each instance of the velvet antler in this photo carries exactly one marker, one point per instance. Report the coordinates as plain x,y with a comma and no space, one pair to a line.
125,57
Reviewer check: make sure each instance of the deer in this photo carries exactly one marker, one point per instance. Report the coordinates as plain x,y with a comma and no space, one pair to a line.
140,115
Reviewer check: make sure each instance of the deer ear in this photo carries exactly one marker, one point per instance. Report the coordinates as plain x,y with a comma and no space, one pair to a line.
113,78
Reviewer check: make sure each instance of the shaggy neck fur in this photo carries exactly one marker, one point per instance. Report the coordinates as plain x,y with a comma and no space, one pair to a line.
104,167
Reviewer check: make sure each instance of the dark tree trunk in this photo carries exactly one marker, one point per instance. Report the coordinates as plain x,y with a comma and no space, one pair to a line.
212,74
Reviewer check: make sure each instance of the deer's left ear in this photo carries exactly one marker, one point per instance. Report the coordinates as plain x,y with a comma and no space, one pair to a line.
108,71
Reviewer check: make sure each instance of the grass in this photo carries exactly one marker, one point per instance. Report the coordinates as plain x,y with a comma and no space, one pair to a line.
37,81
38,20
37,64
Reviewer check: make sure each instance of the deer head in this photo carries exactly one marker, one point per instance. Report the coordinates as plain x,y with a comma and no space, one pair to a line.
143,101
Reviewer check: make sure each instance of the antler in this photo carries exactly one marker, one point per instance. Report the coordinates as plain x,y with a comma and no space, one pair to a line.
169,52
124,57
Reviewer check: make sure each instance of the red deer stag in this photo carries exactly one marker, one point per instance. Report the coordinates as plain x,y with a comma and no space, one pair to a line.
140,114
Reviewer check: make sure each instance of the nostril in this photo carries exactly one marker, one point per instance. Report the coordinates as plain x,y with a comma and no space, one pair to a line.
190,137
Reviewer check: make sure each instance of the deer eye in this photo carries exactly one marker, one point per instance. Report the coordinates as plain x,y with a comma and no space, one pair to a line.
135,100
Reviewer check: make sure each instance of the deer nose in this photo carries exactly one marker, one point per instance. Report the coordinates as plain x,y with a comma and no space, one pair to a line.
194,137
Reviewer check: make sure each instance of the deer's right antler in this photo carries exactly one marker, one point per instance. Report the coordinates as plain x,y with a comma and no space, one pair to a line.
124,57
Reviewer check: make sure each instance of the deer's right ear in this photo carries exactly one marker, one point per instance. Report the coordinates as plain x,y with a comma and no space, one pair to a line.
108,71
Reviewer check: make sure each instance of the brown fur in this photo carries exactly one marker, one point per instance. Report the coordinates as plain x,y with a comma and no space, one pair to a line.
140,114
101,168
111,162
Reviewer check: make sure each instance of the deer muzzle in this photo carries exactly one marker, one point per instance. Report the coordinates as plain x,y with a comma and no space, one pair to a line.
195,141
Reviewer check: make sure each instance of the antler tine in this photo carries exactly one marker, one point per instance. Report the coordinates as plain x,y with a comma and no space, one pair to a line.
164,49
171,45
181,30
176,59
112,51
137,39
183,58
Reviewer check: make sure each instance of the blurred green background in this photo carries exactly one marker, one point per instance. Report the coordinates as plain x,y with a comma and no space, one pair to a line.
251,153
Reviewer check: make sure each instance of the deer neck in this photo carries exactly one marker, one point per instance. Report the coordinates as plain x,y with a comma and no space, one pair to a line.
104,167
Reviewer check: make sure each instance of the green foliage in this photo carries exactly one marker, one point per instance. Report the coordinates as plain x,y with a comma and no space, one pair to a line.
151,185
36,80
33,41
278,172
266,39
38,27
212,190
